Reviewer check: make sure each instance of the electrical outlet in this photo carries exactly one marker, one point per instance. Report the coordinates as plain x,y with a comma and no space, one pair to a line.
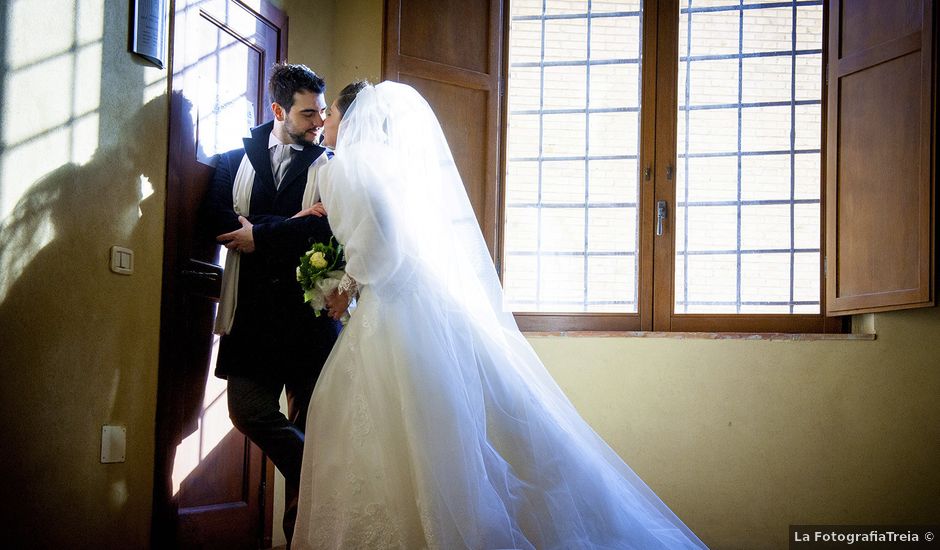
113,444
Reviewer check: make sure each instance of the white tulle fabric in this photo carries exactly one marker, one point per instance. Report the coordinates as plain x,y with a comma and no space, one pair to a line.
433,423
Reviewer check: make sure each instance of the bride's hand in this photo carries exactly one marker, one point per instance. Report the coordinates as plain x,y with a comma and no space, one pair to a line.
337,303
315,210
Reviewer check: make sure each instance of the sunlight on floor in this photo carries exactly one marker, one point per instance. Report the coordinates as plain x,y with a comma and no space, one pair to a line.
214,425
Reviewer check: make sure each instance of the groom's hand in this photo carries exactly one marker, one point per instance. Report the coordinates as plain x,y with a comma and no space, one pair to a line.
240,240
316,210
337,303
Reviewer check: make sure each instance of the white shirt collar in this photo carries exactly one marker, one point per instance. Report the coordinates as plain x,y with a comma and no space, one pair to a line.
272,141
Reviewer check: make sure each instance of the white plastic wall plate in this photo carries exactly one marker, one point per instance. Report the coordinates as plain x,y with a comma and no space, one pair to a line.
113,444
122,260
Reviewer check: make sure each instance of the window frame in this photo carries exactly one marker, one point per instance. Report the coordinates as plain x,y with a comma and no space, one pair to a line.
658,155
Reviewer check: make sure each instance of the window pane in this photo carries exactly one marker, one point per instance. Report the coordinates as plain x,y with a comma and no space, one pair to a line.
708,131
708,284
610,284
715,82
522,8
766,79
529,33
561,7
766,129
562,182
526,173
607,226
615,38
562,230
571,176
615,6
765,227
616,85
748,187
563,135
561,284
767,30
607,179
524,133
765,177
565,87
765,280
715,179
614,133
565,39
706,228
528,87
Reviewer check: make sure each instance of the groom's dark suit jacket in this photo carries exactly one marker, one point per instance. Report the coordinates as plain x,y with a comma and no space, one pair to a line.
275,335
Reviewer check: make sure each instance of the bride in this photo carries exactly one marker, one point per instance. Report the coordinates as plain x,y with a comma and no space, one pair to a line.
433,423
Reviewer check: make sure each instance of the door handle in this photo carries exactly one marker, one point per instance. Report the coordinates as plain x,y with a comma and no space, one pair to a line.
201,275
662,212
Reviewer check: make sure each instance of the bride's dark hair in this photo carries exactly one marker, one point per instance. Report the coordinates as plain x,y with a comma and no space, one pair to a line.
348,94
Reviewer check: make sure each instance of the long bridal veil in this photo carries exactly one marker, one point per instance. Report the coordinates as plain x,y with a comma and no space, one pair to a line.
466,419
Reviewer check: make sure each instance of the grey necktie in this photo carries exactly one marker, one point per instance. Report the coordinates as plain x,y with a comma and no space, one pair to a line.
282,156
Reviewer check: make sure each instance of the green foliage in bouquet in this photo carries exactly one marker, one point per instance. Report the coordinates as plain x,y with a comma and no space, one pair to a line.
323,261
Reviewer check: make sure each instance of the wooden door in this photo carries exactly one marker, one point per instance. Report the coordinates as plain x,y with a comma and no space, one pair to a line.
451,51
212,487
881,163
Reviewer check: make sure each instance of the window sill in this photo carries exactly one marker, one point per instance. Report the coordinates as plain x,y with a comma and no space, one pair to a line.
702,335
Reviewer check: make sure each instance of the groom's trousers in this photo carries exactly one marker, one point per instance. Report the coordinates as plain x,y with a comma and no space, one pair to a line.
254,407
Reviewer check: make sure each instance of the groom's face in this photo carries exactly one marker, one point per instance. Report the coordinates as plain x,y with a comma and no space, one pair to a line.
304,121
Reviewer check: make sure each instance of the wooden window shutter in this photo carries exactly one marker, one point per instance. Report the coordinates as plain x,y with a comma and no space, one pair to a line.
880,161
451,51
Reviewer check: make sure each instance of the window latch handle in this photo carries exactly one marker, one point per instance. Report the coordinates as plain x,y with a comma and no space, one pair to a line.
662,212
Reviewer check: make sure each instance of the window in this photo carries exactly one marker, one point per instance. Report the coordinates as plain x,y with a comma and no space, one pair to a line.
706,112
573,146
748,158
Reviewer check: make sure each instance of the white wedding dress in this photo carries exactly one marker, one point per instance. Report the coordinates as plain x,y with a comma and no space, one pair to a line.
433,423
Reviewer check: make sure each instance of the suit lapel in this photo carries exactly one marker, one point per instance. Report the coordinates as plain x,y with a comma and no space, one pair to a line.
256,148
299,165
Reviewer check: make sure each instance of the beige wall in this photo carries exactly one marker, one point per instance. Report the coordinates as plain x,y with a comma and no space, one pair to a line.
743,438
340,39
82,168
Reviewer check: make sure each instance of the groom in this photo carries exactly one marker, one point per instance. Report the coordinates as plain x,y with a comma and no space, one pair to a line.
273,340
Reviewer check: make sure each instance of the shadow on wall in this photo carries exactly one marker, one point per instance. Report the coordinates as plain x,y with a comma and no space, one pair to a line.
4,33
69,325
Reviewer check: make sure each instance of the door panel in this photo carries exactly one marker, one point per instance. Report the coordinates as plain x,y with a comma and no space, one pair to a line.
457,33
213,488
880,177
450,51
461,111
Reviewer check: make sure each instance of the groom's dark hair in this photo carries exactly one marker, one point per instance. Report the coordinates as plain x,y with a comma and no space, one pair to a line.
287,79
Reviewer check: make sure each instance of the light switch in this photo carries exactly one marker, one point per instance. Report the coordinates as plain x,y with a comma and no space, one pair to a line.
122,260
113,444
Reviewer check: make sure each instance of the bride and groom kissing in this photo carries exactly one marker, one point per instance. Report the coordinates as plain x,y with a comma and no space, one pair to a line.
429,422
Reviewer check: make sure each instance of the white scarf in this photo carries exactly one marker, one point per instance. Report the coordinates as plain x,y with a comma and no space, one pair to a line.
241,199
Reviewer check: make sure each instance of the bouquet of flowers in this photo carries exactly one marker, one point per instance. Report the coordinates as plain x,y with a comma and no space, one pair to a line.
320,272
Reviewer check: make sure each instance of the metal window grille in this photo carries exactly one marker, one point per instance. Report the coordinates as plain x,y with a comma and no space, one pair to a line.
530,260
685,300
581,293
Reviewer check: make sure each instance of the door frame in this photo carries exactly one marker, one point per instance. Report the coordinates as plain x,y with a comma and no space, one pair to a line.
170,420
